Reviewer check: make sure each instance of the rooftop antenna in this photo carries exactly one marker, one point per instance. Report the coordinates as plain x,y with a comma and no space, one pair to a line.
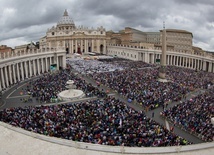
163,24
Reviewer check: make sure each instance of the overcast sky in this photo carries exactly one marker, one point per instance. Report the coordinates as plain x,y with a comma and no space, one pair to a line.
23,21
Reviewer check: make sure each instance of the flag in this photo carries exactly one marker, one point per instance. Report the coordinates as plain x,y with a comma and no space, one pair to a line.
121,122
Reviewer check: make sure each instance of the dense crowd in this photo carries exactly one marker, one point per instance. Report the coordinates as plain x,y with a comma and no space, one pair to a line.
142,86
107,122
128,64
106,65
190,78
47,87
92,66
195,115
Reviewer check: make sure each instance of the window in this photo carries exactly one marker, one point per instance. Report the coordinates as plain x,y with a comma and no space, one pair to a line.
52,33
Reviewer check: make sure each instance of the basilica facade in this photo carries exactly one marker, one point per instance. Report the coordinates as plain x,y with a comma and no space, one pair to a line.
74,39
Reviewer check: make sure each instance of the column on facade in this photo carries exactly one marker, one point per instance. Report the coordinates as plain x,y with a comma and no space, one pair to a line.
167,57
184,62
26,68
10,74
50,60
104,46
188,62
98,45
201,65
72,46
213,67
152,57
42,62
30,67
18,71
81,46
75,45
170,59
38,66
92,45
146,57
192,63
176,60
22,70
46,64
173,60
57,62
2,78
34,67
6,76
14,73
179,60
198,64
63,61
85,45
70,49
210,67
204,65
0,85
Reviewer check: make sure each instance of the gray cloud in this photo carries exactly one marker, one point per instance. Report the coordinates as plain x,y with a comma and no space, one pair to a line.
28,20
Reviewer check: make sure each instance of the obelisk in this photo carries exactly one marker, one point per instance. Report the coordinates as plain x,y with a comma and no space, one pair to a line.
162,69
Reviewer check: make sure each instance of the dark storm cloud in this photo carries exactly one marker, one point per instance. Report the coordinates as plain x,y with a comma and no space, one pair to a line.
194,2
28,20
32,13
132,12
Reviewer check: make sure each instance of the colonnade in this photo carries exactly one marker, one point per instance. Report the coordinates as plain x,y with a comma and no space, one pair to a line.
190,61
16,70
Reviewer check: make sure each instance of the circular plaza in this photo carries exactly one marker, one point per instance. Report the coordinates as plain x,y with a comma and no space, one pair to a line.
107,122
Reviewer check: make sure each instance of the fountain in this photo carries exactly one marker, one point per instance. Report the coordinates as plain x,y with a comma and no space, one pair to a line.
71,93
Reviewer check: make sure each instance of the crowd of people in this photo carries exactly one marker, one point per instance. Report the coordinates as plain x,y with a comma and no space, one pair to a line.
190,78
92,66
47,87
195,115
142,86
106,65
107,122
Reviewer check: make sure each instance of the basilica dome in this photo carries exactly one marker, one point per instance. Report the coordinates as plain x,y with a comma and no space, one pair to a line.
65,20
